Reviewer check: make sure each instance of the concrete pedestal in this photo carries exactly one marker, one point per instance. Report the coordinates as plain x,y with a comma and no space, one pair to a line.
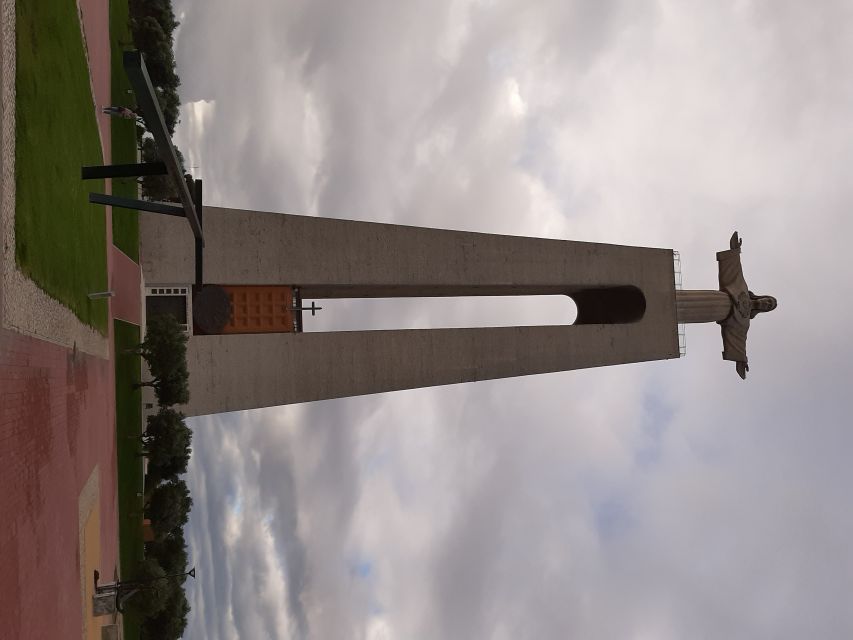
625,298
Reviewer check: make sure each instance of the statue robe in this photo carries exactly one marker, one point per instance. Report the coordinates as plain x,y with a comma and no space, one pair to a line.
736,325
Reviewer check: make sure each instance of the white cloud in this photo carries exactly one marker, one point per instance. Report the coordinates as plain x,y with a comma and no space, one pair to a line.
517,105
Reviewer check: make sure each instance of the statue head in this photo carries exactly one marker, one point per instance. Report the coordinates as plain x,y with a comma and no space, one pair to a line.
761,304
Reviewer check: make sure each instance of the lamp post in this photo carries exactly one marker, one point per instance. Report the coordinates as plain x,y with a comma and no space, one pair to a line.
141,583
124,590
138,584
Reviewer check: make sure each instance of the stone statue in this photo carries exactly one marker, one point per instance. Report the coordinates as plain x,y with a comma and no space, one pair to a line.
732,307
745,305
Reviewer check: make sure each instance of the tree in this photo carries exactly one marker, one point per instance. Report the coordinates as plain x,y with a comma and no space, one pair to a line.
170,470
170,622
167,441
158,187
165,344
164,425
156,47
159,10
170,104
170,389
165,351
155,187
153,592
166,436
170,552
169,507
173,388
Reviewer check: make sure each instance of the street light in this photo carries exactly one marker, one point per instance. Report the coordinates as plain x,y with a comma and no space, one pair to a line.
136,584
123,590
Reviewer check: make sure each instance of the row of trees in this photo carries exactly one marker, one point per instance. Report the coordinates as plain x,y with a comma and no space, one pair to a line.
166,443
152,25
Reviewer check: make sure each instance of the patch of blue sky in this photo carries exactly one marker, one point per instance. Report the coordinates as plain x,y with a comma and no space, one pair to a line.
376,461
536,156
657,416
361,568
235,500
612,518
501,60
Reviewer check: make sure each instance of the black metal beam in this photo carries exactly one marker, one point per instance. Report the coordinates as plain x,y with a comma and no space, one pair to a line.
124,170
199,245
139,205
146,99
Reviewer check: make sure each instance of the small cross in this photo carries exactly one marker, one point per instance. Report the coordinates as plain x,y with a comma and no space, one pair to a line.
313,308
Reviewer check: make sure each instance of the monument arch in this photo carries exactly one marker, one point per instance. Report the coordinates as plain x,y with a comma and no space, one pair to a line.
625,298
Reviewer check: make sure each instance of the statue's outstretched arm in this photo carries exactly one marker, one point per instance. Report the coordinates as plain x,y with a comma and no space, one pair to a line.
730,270
735,242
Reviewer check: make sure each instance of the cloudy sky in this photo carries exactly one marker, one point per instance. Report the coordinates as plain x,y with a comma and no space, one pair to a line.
661,500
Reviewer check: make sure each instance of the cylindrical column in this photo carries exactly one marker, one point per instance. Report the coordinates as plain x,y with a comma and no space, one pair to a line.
702,306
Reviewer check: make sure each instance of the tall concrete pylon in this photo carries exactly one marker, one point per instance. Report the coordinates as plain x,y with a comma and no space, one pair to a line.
625,297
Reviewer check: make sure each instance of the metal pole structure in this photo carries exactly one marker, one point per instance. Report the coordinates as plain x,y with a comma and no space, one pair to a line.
124,170
138,584
199,244
139,205
146,99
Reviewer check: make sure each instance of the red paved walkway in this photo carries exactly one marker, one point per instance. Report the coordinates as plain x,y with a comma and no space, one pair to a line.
57,422
96,27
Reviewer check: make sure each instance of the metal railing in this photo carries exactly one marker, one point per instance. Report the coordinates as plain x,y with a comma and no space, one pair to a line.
679,284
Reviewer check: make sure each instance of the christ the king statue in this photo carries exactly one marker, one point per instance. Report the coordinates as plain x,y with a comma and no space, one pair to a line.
732,307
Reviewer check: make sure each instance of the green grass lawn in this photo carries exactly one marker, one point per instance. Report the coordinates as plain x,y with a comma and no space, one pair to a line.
130,481
125,221
60,239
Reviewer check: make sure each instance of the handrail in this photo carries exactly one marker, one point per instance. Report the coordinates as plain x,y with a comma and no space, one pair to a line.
679,284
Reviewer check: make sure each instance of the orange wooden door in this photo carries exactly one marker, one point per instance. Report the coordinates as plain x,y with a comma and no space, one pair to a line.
259,309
